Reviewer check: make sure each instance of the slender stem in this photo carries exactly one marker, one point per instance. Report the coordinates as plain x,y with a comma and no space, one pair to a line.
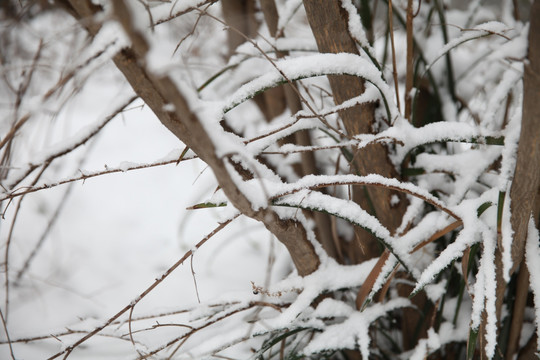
394,66
7,335
410,71
131,305
23,191
433,201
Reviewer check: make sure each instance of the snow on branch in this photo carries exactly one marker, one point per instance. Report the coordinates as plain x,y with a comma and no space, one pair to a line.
313,66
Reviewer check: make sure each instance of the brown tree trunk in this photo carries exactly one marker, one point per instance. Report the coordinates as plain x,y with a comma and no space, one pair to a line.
240,16
328,22
527,175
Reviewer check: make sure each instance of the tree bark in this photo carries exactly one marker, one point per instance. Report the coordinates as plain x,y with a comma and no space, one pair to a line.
241,15
527,175
328,22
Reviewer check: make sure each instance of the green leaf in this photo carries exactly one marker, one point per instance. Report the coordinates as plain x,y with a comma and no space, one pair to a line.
267,344
206,205
472,253
500,206
217,75
483,208
412,171
471,343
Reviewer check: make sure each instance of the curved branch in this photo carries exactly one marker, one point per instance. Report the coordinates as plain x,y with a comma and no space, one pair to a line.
312,182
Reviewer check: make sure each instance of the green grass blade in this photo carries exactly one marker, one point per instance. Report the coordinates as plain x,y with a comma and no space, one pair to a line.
471,343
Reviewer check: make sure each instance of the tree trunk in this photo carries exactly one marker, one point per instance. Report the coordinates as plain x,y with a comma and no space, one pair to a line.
527,174
328,22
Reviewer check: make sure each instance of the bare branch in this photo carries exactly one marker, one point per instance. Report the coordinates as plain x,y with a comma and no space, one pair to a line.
75,144
130,306
87,175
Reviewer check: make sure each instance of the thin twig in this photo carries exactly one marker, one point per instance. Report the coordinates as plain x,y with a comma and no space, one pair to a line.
183,12
21,91
51,223
394,66
9,136
6,257
183,338
130,332
402,189
56,336
192,31
300,149
26,190
273,63
7,335
150,17
490,32
158,281
410,52
44,235
120,323
194,279
158,325
79,142
9,238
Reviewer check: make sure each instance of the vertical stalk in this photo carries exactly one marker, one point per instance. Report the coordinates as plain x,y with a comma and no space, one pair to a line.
394,67
410,71
449,67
